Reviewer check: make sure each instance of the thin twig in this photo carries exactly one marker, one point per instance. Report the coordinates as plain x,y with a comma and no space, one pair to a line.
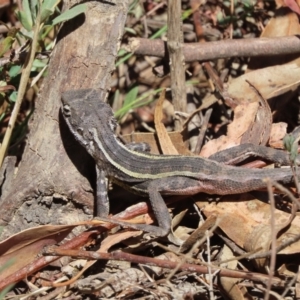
273,239
21,91
210,277
177,69
203,130
122,256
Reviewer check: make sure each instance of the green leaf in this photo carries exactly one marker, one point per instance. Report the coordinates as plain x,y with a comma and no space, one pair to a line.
13,96
39,64
5,291
248,3
294,152
132,5
46,13
14,71
129,100
5,45
27,34
130,30
12,32
136,9
131,95
27,12
48,8
142,100
3,268
291,145
69,14
288,142
34,7
21,15
1,119
123,59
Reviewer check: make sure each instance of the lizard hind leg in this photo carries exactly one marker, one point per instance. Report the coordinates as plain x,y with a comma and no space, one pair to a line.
237,154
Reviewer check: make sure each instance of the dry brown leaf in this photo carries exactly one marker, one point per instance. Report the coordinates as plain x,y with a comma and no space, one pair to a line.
244,116
287,270
270,81
104,247
178,218
284,23
278,131
22,248
165,142
199,233
229,285
7,88
116,238
246,221
297,289
180,232
259,130
151,140
292,4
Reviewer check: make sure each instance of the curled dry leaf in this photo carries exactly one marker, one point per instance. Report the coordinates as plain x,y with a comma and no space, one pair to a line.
246,221
292,4
259,130
270,82
116,238
22,248
229,285
278,132
244,116
284,23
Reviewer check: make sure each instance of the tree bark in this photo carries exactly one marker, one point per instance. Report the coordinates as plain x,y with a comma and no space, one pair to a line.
53,182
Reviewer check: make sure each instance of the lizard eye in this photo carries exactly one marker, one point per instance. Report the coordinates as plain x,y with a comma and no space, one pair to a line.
80,130
66,110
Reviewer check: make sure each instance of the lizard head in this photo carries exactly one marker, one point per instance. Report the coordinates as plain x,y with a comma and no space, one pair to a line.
84,112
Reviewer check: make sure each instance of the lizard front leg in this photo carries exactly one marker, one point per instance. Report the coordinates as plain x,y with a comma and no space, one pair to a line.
170,186
102,202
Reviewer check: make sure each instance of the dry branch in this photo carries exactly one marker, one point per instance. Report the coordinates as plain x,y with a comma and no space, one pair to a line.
220,49
55,173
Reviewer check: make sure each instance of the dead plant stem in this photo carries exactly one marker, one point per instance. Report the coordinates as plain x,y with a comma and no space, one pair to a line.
21,91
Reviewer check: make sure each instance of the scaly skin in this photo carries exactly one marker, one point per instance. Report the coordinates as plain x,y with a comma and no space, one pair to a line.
92,123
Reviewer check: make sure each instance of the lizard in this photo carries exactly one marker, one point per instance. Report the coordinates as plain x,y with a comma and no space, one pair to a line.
93,125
